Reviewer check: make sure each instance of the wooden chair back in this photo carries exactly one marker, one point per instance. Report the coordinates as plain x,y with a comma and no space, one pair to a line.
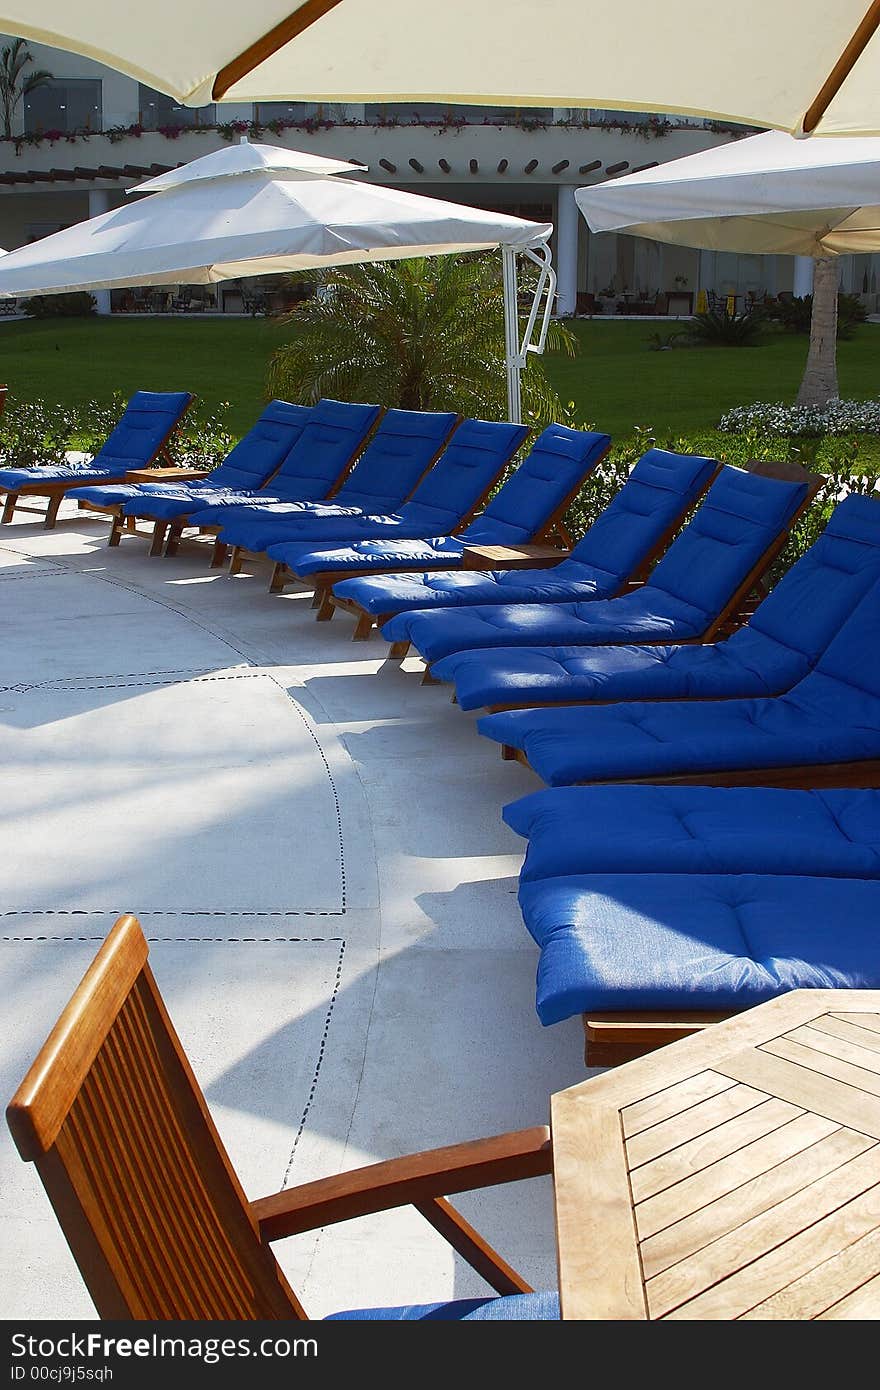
112,1116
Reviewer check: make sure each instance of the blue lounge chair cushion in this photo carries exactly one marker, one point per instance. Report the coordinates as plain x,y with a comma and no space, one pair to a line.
831,716
783,640
662,942
146,423
471,461
555,465
661,486
643,614
521,1307
565,675
701,830
247,465
740,517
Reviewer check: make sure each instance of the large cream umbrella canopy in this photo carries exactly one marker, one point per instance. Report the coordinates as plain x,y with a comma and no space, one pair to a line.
255,210
769,194
798,65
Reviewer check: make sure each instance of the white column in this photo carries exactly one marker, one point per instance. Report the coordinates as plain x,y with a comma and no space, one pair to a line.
803,276
99,201
567,228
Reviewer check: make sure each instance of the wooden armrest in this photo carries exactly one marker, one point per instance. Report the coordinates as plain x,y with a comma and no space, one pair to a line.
413,1179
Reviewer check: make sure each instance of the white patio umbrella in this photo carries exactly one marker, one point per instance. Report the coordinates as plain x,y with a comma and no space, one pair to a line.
794,64
255,210
769,194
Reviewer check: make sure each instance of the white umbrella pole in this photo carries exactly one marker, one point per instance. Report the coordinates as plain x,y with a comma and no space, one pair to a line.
512,354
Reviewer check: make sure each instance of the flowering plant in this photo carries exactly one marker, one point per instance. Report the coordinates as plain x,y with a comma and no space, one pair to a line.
837,417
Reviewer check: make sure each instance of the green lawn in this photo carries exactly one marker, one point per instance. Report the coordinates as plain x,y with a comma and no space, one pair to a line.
72,361
615,380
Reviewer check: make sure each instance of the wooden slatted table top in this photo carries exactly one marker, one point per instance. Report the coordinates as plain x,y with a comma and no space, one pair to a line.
511,557
162,475
734,1174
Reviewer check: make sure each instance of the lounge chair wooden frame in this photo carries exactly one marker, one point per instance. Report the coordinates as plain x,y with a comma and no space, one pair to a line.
114,1120
56,492
318,584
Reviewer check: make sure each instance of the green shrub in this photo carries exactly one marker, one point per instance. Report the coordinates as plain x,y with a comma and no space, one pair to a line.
718,328
33,433
795,315
205,438
76,305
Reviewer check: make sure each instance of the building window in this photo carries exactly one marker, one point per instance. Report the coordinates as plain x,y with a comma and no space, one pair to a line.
158,110
68,105
403,113
293,111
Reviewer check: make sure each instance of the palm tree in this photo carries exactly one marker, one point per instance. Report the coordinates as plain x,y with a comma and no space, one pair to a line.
423,334
819,382
15,85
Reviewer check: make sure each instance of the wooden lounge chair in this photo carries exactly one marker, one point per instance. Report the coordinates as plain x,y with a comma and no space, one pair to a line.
447,496
823,732
250,464
781,642
316,457
705,585
400,455
620,548
522,525
157,1220
670,870
138,440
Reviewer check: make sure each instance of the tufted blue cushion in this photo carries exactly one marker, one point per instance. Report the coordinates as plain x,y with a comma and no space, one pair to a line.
783,640
146,423
477,452
522,1307
658,491
655,829
247,465
832,715
643,614
556,464
697,941
742,514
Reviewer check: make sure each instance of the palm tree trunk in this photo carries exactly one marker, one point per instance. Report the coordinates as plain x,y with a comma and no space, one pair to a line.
819,384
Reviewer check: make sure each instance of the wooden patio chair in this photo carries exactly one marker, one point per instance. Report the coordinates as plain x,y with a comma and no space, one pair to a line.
156,1218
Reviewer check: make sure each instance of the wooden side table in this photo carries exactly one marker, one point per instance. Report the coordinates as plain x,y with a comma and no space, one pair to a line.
512,557
734,1174
163,475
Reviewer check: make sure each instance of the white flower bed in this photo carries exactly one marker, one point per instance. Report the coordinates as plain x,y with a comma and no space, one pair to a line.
837,417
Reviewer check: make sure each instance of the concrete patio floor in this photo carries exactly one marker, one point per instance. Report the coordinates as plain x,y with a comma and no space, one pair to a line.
313,843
